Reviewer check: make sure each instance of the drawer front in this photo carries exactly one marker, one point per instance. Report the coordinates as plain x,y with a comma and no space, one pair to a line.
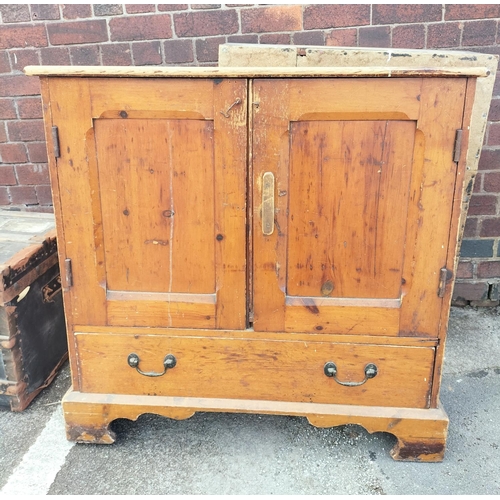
256,369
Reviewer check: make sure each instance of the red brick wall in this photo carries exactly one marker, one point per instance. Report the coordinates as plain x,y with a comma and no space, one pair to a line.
182,34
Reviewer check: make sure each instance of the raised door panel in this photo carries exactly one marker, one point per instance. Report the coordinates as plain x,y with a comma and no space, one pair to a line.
364,184
163,214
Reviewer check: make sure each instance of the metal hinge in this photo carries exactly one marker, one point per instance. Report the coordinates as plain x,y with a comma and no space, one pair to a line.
445,275
250,316
55,142
458,145
68,272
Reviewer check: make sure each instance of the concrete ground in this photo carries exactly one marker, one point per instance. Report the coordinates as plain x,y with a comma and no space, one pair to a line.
253,454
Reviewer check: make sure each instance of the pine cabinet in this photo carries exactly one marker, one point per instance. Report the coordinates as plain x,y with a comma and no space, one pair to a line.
258,240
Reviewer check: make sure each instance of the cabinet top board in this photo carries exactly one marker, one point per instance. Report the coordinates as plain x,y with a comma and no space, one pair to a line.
255,72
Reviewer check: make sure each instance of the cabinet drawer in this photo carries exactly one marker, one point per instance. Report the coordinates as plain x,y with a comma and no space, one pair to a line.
282,370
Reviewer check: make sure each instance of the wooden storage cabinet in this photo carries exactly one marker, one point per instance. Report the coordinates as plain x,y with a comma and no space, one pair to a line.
254,241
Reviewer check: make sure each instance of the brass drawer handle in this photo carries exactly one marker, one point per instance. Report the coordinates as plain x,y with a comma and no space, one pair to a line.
168,362
330,370
268,203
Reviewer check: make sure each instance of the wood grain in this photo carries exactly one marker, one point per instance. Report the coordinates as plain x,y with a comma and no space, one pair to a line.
347,207
156,193
148,72
431,201
278,371
250,334
152,98
153,313
421,433
88,297
230,176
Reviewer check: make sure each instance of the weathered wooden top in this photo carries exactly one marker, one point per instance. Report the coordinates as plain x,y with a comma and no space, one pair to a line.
256,72
24,238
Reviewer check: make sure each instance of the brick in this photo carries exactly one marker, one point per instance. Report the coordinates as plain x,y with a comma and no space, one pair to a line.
15,13
31,175
405,13
494,114
275,39
206,23
22,35
490,227
107,9
464,270
443,35
141,27
3,132
489,159
411,36
44,12
19,85
343,37
23,195
140,8
491,183
243,39
116,54
169,7
488,269
44,194
7,109
335,16
37,152
4,62
4,196
76,11
13,153
7,176
471,11
378,36
55,56
494,134
178,51
470,229
471,291
26,130
496,86
481,204
198,6
207,49
479,33
85,56
309,38
271,19
69,33
146,53
19,58
29,107
478,184
476,248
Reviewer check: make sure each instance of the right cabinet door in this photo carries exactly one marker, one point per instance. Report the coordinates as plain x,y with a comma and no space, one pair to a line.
353,187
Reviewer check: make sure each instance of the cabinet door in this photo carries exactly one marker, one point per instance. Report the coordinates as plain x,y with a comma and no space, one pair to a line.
363,191
151,181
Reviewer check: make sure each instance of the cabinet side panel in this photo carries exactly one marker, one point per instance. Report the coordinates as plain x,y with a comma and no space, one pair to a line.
56,200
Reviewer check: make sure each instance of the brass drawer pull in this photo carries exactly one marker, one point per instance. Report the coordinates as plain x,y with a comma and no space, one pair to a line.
330,370
168,362
268,203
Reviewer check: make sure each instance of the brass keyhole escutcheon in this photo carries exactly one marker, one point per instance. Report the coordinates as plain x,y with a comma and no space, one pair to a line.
327,288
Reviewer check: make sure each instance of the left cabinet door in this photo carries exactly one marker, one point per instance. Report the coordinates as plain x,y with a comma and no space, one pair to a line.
149,190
